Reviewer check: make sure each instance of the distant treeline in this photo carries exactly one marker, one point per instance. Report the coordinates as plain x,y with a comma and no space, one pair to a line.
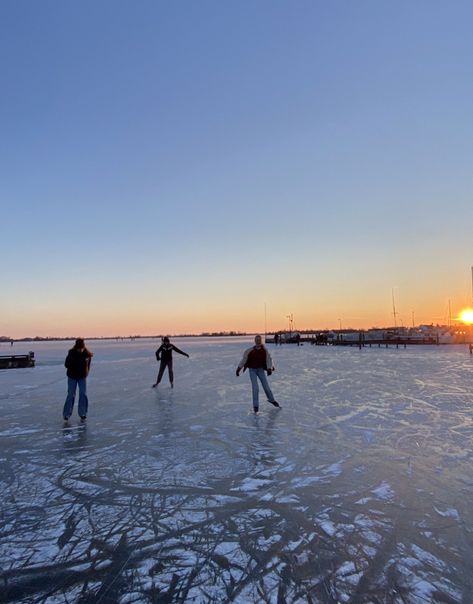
205,334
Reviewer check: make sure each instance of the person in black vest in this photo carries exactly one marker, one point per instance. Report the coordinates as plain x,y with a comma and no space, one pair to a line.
164,355
77,364
258,360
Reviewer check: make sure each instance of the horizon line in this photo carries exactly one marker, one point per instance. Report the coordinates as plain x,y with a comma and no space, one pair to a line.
231,333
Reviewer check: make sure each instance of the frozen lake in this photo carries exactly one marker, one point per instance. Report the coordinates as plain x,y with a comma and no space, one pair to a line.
359,490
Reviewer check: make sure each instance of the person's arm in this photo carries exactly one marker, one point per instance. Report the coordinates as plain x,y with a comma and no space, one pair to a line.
242,363
176,349
67,361
88,361
158,353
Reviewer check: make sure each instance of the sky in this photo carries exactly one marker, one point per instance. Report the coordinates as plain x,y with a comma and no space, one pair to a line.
180,167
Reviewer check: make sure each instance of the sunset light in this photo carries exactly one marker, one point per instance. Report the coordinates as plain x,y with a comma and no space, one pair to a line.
466,316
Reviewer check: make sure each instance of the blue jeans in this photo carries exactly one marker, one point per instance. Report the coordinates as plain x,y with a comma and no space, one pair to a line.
261,374
71,393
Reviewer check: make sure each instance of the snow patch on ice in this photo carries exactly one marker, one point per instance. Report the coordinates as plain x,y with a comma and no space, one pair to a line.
288,499
424,589
328,527
305,481
251,484
333,470
448,513
428,558
384,491
363,500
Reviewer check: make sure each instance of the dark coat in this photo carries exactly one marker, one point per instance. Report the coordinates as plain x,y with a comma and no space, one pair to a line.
78,363
164,353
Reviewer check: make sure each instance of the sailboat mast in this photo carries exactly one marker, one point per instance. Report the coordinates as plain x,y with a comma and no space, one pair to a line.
394,309
265,326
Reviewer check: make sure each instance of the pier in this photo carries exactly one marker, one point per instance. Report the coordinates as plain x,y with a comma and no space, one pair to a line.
360,339
15,361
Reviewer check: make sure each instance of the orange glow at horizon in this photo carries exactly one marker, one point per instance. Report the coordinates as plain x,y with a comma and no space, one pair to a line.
214,310
466,315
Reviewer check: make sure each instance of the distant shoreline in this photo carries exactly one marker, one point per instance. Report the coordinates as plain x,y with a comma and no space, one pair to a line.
227,334
120,338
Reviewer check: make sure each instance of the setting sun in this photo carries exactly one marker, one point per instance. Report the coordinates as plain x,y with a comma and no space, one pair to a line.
466,316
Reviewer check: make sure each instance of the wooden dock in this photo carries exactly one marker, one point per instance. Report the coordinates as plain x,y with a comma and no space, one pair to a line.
15,361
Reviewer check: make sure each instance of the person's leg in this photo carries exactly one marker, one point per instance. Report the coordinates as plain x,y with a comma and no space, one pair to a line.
71,393
266,388
171,373
162,367
83,400
254,388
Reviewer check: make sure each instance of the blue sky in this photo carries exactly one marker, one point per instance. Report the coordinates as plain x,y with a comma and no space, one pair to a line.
173,166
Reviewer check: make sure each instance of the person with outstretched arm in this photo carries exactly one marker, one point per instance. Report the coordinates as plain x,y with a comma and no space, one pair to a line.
77,364
258,360
164,355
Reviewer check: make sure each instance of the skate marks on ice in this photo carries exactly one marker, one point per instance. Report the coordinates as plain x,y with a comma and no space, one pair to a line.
358,493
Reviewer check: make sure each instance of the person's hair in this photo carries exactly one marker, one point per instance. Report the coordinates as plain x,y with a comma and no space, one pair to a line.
80,345
166,340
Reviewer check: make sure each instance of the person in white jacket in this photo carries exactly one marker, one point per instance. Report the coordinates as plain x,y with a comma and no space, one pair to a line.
258,360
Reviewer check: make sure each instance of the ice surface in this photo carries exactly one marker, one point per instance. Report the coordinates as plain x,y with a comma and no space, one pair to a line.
358,490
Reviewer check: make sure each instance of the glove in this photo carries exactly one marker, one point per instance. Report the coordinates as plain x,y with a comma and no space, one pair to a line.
270,371
238,371
187,356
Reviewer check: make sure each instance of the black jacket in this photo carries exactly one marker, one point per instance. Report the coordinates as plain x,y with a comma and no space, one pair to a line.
78,363
164,352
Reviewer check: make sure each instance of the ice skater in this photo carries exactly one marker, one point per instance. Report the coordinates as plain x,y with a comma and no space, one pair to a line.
164,355
258,360
77,364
